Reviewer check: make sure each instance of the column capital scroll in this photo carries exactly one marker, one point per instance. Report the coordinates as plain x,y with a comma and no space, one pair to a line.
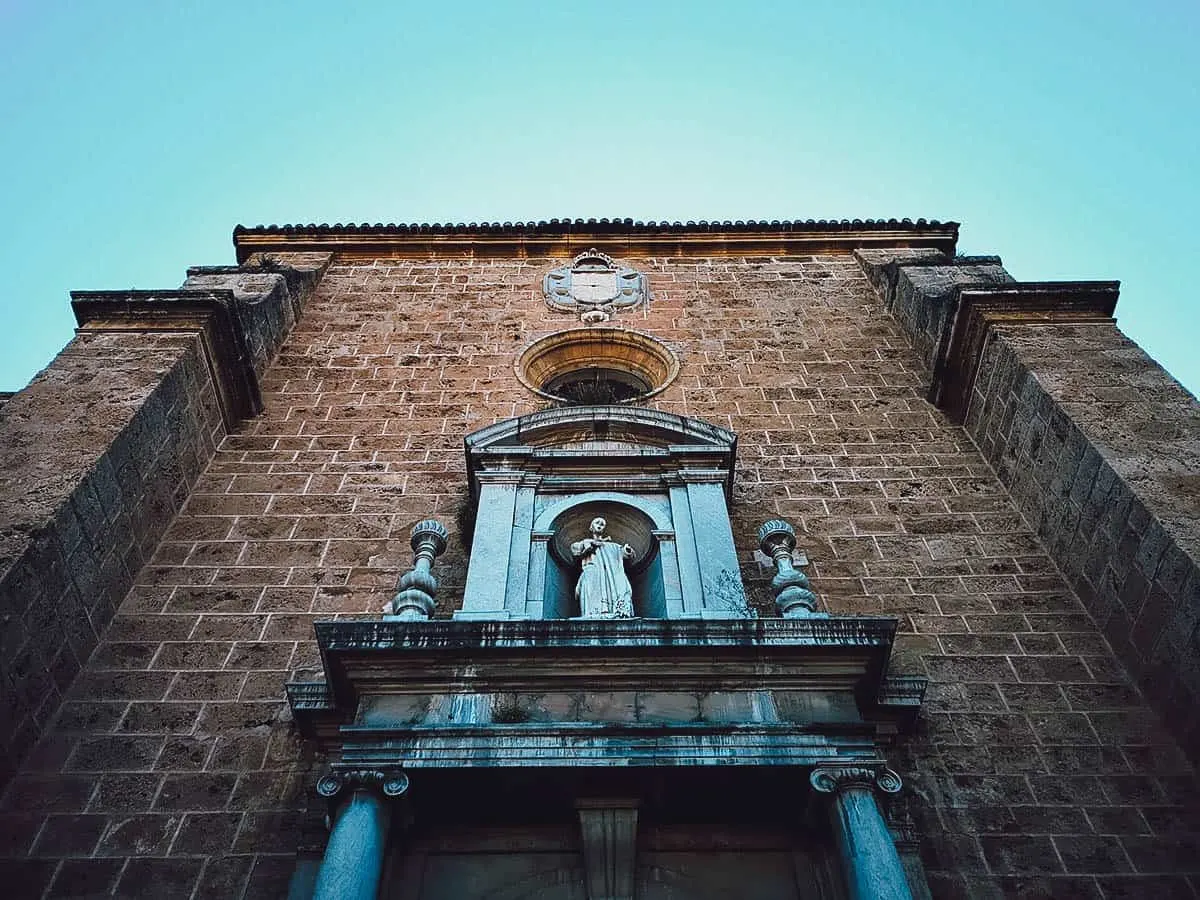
833,779
388,782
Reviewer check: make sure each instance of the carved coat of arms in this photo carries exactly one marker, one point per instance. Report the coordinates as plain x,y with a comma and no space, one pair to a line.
594,287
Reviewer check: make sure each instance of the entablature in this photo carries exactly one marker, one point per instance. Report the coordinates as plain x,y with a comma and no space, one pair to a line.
428,681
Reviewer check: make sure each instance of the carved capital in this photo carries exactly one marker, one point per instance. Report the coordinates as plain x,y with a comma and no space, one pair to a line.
514,477
389,782
834,779
702,476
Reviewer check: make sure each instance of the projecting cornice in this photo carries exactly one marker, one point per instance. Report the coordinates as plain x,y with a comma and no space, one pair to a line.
565,237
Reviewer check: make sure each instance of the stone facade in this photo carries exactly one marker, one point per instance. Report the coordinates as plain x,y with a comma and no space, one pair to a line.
1040,563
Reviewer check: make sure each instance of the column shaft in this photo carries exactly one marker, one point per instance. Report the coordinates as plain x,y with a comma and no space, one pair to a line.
354,855
869,858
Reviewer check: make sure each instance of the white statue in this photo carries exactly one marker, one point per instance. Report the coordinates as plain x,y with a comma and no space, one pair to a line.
603,590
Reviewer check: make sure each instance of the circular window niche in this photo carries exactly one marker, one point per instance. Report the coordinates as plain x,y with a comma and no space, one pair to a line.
597,366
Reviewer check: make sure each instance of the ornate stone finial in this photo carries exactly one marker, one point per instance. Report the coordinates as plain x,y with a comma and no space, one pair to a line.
417,587
831,779
793,595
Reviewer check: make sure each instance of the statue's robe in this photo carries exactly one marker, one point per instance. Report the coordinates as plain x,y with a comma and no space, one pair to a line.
603,590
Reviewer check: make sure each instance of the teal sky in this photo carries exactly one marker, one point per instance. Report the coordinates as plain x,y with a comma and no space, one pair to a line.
135,135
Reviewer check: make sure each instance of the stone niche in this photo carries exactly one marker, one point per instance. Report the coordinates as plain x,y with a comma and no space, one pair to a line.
662,483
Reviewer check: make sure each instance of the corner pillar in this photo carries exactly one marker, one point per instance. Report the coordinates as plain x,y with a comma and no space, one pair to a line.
516,599
871,865
353,860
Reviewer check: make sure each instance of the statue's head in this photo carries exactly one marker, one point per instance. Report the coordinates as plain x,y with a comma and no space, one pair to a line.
598,526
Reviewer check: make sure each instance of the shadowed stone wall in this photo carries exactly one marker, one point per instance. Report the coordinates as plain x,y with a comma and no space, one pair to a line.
96,457
1100,448
173,768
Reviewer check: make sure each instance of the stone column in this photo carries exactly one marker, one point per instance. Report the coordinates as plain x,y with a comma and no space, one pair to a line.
870,862
353,861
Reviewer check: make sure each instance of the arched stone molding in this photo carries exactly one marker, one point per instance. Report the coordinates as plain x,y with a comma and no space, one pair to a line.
650,426
658,512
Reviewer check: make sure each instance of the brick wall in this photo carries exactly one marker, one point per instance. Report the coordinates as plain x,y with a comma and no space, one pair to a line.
173,767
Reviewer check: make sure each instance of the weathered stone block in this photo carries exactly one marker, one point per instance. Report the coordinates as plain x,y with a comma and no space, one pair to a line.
666,706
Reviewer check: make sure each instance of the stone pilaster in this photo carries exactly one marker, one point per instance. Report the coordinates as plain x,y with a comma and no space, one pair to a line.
487,575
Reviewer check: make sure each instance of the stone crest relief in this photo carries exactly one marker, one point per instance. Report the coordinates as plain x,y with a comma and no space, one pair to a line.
594,287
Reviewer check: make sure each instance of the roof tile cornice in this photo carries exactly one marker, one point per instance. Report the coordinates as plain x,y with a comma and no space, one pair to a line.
558,237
